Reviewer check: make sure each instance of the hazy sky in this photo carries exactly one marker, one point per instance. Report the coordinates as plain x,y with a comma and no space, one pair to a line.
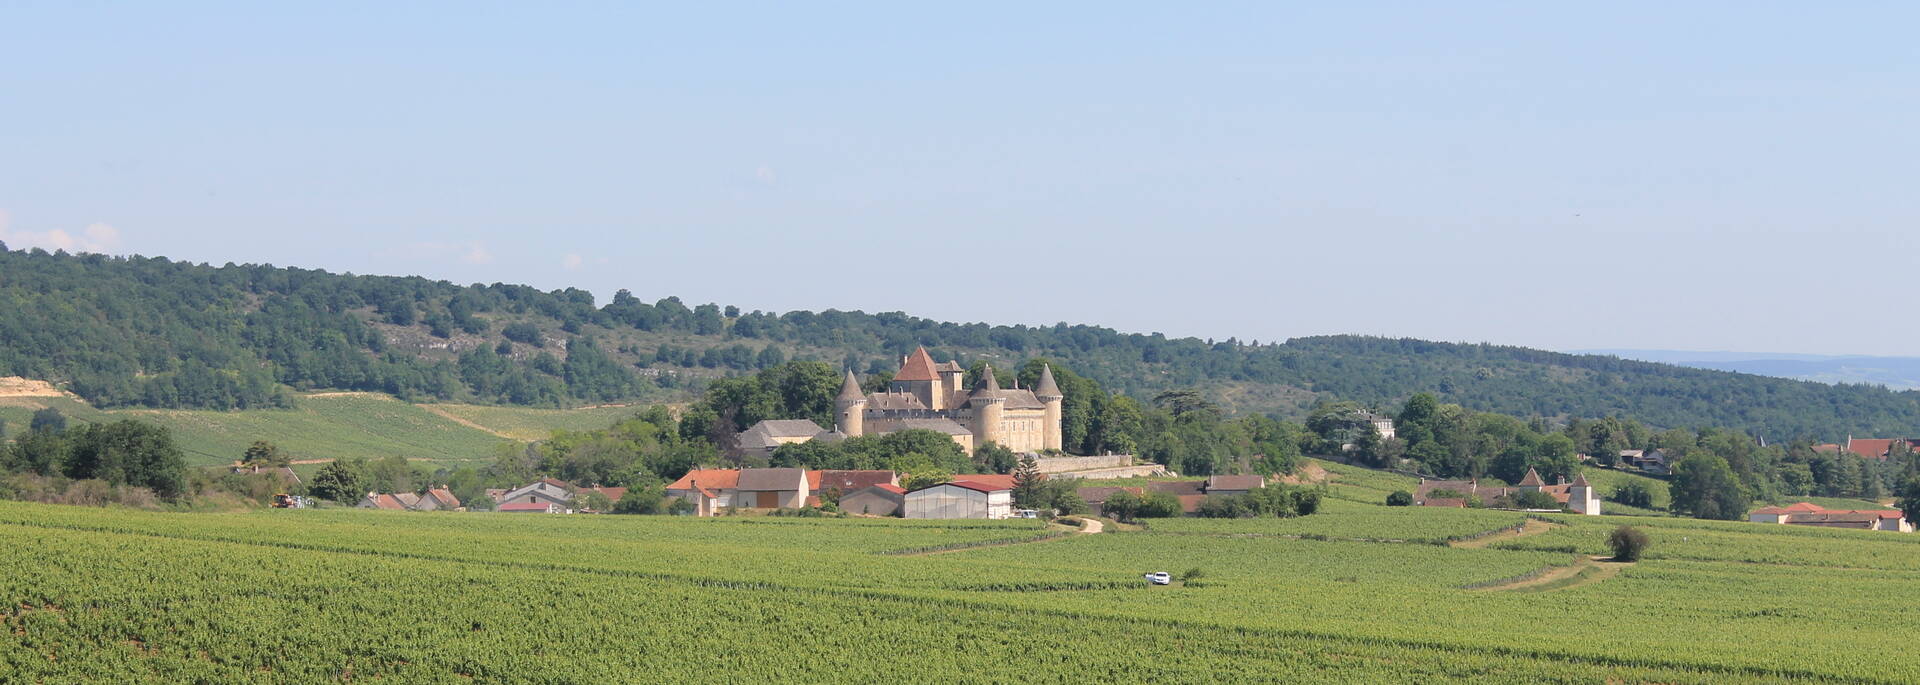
1662,175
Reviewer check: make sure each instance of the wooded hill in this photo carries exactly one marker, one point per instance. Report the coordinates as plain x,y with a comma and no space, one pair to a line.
138,331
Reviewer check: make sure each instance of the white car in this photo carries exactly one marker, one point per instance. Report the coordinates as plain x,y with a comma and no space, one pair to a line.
1160,578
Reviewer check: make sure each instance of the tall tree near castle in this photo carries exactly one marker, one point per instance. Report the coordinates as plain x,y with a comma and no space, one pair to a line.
1027,482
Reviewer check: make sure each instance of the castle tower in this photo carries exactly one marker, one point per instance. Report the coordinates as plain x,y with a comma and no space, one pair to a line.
988,407
850,408
1532,481
917,376
1049,394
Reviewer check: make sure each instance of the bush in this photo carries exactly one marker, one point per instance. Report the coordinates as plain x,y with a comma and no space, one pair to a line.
1533,499
1628,543
1400,498
1192,574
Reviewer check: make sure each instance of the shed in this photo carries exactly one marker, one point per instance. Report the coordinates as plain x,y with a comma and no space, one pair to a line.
885,499
960,500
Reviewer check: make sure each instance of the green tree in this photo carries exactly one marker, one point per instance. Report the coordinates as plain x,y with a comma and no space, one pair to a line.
592,500
48,420
1533,499
1704,487
263,454
1027,480
1632,494
1158,504
995,459
1400,498
1909,499
129,452
342,480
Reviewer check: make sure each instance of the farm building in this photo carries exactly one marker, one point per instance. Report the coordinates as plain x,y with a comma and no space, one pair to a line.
1234,485
963,499
547,490
375,500
1810,514
772,488
1578,496
884,499
437,499
836,483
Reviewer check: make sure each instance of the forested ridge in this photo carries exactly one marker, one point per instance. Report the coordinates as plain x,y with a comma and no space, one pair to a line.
140,331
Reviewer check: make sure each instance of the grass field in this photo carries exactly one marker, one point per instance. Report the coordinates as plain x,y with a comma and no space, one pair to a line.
330,595
338,425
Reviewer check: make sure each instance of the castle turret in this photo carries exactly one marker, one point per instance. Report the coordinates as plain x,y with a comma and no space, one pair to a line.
988,408
1050,395
850,408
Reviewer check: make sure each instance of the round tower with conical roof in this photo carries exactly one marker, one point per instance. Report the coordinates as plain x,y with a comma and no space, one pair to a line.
1049,394
989,406
850,408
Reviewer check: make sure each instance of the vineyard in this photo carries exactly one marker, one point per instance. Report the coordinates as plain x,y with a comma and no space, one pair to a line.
1356,593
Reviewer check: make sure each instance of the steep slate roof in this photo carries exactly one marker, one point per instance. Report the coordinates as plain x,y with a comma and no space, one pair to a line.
850,389
988,382
408,499
709,479
1046,387
1580,480
1235,483
917,367
1533,478
894,400
772,479
787,428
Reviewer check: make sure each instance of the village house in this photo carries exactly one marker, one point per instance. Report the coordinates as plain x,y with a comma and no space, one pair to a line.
549,490
1654,461
1234,485
772,488
761,439
1578,496
1872,449
883,499
1810,514
375,500
712,491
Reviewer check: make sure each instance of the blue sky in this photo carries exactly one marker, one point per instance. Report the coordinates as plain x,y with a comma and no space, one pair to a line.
1626,175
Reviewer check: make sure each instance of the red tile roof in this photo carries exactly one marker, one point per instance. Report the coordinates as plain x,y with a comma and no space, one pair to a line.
1870,448
847,481
711,479
388,502
563,485
918,367
977,486
889,487
1001,481
445,498
613,494
1805,506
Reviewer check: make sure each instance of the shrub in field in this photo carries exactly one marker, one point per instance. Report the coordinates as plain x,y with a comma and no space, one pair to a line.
1628,543
1400,498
